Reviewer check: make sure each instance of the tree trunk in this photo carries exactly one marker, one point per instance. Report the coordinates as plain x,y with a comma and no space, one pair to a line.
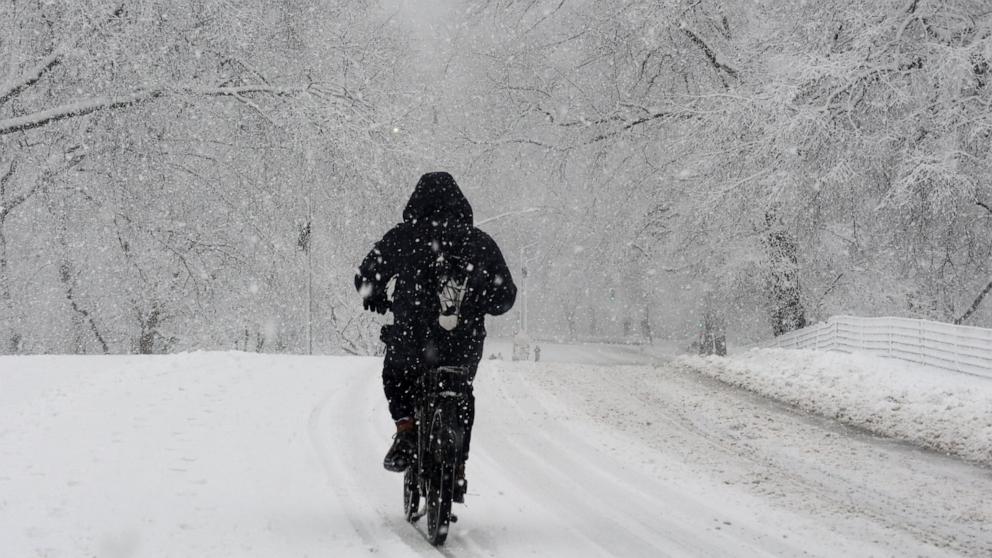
646,325
787,312
572,326
11,322
81,318
713,338
149,330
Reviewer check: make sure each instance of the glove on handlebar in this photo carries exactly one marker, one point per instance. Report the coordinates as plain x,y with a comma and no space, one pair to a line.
378,304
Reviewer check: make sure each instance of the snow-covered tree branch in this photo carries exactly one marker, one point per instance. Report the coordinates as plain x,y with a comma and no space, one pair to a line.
88,106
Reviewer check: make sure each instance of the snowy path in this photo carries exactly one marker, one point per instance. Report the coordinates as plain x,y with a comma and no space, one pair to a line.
226,454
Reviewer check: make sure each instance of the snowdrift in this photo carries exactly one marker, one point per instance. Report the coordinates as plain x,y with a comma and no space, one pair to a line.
943,411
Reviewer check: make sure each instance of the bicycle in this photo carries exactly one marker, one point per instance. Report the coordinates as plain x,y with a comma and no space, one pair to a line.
441,419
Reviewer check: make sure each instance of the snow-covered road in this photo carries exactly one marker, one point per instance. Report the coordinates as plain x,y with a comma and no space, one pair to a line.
231,454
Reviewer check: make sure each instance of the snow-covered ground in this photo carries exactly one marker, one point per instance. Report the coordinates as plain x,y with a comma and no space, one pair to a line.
946,411
233,454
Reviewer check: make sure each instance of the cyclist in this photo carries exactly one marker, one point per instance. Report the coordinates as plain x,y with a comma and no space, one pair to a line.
449,275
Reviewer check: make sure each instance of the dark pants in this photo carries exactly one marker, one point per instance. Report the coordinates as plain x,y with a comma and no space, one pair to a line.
400,371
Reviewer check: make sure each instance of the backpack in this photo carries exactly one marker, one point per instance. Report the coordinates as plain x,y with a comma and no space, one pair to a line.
452,276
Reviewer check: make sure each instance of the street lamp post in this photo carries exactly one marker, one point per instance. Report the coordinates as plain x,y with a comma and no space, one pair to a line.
523,294
523,285
308,245
523,261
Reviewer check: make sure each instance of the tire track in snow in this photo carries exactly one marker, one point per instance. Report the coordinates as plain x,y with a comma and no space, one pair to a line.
524,495
596,501
830,486
698,435
330,471
342,480
648,502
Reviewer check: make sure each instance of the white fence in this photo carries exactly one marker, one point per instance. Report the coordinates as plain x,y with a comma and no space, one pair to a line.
948,346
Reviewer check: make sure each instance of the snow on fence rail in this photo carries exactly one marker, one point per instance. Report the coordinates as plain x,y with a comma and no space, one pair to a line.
940,345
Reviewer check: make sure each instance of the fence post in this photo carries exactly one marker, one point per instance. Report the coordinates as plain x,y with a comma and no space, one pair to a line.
922,343
957,351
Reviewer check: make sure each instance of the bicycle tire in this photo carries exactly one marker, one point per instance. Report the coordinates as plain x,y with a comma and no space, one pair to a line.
439,493
411,494
440,479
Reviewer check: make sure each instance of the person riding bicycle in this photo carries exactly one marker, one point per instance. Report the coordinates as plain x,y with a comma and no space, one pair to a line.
449,275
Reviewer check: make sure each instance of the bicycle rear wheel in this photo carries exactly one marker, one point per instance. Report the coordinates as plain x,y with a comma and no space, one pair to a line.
440,486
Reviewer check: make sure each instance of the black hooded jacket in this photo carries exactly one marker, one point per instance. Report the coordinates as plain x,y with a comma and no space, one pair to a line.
437,240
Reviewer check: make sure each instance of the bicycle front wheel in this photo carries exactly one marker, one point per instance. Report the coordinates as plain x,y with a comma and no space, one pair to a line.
411,495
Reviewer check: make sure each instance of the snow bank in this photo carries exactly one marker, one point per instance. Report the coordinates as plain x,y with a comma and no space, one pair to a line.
944,411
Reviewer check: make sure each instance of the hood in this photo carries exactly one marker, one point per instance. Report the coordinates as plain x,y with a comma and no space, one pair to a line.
438,198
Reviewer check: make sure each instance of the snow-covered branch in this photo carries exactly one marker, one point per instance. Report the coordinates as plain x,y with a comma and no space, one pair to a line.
708,51
8,206
14,87
44,117
634,124
975,304
81,108
508,214
6,177
511,141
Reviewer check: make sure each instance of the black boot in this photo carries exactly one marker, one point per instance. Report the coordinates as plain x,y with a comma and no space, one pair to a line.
400,454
